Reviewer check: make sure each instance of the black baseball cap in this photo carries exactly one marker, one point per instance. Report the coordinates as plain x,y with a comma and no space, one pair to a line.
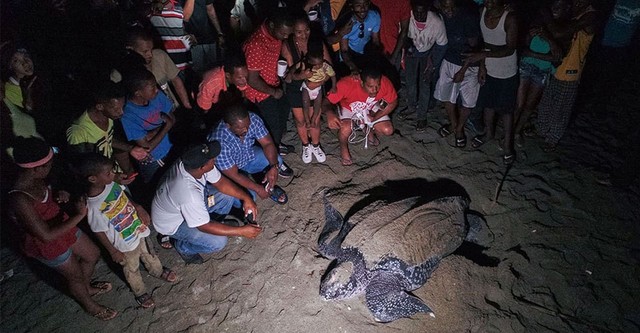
198,155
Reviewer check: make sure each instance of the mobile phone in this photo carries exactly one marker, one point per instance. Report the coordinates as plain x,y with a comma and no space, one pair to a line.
383,103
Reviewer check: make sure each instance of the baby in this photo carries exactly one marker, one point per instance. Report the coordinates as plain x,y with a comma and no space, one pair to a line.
321,72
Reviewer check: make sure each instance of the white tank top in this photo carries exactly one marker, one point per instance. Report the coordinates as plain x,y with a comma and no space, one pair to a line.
500,68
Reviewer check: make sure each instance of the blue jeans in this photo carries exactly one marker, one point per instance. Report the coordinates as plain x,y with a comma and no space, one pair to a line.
258,164
190,241
418,85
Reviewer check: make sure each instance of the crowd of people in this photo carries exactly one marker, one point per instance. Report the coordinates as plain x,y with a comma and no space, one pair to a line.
182,104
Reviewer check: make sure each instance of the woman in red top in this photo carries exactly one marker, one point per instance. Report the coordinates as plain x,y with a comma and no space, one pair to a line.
50,235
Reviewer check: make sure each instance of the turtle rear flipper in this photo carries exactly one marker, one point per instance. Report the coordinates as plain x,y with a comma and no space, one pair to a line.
333,233
387,301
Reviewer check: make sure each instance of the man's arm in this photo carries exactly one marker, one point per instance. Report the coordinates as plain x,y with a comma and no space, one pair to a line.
256,82
181,91
511,27
245,181
213,18
187,10
271,153
404,29
216,228
346,56
333,120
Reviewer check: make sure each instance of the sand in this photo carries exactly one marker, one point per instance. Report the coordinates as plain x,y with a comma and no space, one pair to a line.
563,242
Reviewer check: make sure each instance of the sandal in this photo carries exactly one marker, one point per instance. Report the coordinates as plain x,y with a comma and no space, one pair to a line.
478,141
106,314
461,142
164,241
145,301
444,131
102,286
168,275
278,195
508,159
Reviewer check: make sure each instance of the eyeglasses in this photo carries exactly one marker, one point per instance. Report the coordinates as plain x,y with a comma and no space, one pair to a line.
361,28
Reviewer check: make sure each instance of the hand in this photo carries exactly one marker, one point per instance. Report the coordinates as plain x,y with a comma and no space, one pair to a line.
81,207
187,105
482,75
63,197
117,257
123,179
277,93
144,216
333,90
250,206
271,178
474,57
139,153
250,231
315,120
221,41
372,116
345,29
193,41
169,119
458,77
333,121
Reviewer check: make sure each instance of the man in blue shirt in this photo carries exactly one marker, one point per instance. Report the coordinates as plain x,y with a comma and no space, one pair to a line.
240,156
366,27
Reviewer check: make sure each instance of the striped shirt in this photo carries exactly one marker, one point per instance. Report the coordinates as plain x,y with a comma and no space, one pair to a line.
170,26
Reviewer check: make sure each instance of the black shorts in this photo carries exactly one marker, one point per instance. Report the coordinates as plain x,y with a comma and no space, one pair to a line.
499,94
294,95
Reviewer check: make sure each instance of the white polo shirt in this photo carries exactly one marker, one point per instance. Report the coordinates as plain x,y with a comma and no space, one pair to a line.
180,197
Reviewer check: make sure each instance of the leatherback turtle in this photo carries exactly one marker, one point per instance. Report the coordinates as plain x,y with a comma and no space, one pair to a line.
388,249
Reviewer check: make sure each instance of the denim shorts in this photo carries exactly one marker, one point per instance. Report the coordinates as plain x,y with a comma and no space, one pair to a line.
534,74
61,259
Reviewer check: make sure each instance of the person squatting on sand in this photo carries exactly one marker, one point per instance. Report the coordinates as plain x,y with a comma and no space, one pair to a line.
177,209
48,234
240,157
368,100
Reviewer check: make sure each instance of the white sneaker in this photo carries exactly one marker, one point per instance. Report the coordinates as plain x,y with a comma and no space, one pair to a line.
306,154
318,153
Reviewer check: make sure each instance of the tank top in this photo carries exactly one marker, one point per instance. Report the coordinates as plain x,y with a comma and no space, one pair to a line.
500,68
49,211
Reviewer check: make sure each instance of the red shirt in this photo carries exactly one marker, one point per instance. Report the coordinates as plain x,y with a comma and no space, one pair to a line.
262,52
351,96
391,13
213,83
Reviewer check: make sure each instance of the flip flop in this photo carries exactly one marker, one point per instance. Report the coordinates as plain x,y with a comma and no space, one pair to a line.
168,275
106,314
375,141
164,241
102,286
278,195
478,141
461,142
444,131
145,301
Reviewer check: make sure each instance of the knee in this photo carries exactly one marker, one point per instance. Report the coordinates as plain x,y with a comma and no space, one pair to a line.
385,130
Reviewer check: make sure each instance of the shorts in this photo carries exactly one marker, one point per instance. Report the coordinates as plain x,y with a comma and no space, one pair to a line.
61,259
346,114
313,93
533,74
500,94
465,92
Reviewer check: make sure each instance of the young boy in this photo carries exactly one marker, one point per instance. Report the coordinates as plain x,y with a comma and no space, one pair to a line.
147,119
120,225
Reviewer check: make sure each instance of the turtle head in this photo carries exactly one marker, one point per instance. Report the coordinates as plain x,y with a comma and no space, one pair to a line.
345,278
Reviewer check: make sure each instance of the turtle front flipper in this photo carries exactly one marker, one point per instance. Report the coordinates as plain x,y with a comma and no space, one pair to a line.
387,300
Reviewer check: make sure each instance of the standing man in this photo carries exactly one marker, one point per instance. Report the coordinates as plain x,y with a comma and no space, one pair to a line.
262,51
205,26
498,94
394,25
370,98
178,211
458,85
365,29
